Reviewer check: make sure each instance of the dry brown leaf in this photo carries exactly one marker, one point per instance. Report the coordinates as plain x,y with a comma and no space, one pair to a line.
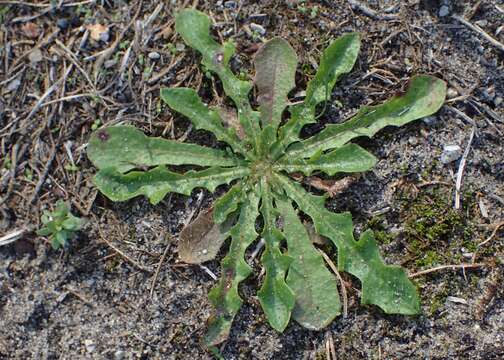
201,240
98,32
31,30
332,187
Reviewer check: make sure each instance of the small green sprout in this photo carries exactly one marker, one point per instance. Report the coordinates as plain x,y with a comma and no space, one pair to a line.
60,225
96,124
265,158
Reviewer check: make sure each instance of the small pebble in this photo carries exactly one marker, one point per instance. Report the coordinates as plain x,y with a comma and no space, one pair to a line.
35,56
450,153
429,120
258,29
90,346
13,85
228,32
498,101
451,93
119,355
110,63
105,36
489,94
481,23
413,141
230,4
153,55
456,299
179,46
62,24
444,11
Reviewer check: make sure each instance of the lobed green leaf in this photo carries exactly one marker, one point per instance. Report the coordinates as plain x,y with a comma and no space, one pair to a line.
188,103
314,286
348,158
338,59
387,286
425,95
156,183
383,285
275,64
125,148
194,27
276,298
228,203
224,296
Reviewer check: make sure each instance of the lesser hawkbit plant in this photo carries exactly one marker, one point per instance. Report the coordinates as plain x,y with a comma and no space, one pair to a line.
263,153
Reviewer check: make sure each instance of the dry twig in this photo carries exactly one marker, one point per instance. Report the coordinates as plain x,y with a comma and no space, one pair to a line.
460,171
156,274
444,267
480,31
13,236
43,177
341,281
123,255
370,12
494,232
329,347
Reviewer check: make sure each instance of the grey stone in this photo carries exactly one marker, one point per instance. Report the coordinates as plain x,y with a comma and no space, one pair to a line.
153,55
105,36
451,93
62,24
89,345
450,153
258,28
230,4
444,11
429,120
110,63
13,85
35,56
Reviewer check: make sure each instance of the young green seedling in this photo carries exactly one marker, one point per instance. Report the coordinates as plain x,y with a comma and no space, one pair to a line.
260,160
60,225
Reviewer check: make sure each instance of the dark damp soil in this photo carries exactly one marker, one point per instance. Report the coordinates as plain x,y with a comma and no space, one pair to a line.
92,302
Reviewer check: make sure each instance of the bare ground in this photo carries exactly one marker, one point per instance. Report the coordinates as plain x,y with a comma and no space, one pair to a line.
98,299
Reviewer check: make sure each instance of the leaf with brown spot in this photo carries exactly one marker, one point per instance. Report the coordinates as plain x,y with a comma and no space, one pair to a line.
224,296
125,148
201,239
230,119
275,65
